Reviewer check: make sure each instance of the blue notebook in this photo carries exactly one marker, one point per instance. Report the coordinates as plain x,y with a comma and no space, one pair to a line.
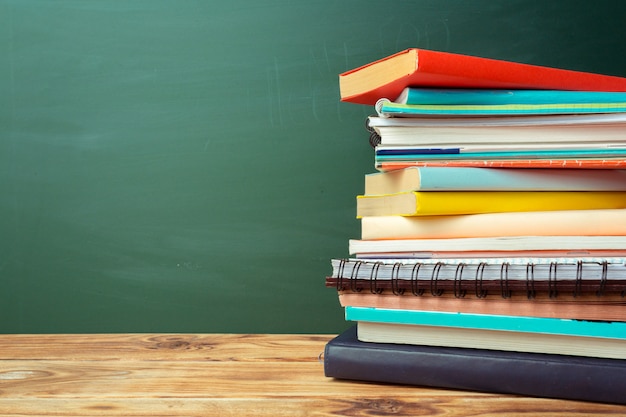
562,327
496,332
387,108
413,95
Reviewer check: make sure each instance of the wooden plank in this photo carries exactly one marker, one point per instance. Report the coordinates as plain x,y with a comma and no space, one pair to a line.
423,403
111,387
130,379
221,375
173,347
160,379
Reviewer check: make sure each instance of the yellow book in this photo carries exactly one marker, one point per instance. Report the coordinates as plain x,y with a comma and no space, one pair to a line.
432,203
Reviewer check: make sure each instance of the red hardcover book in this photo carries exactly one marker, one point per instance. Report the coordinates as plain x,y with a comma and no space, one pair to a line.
387,77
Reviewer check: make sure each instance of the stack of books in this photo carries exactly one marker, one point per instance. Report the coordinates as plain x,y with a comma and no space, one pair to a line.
492,254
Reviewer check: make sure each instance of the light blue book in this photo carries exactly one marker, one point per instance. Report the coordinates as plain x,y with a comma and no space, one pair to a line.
457,153
481,179
386,108
487,96
536,325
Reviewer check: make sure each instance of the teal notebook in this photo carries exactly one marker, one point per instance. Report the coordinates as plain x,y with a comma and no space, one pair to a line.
408,154
386,108
562,327
412,95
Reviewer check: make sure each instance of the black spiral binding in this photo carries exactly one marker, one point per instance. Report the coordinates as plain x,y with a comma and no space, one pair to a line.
434,291
415,289
395,279
353,277
374,138
342,266
578,286
374,289
459,292
398,286
553,292
480,292
504,280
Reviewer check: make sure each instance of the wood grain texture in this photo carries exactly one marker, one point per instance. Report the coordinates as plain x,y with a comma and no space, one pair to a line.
220,375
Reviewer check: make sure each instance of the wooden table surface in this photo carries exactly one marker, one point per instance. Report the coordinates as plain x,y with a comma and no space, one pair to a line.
221,375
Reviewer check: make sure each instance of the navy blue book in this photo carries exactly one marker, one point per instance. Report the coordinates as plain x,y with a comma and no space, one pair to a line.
528,374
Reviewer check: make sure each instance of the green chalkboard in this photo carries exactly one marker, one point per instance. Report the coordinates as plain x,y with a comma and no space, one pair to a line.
186,166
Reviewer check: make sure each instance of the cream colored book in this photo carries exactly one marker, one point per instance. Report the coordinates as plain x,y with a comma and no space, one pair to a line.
502,244
491,339
536,223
